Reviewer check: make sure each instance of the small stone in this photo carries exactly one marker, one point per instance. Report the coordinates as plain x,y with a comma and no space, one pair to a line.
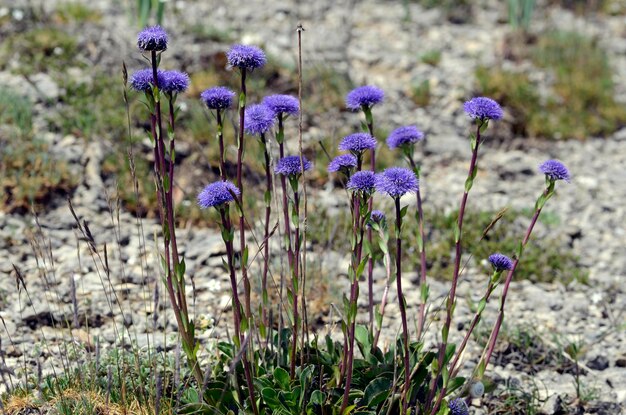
598,363
621,361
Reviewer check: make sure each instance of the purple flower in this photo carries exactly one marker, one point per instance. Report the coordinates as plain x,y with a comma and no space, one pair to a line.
174,81
259,119
246,56
554,170
500,262
364,96
404,136
218,98
357,142
377,216
458,407
291,166
363,182
344,163
217,194
282,104
143,79
396,181
483,109
152,38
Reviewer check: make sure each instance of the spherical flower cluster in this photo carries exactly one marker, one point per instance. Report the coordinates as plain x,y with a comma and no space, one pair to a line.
246,56
259,119
554,170
174,81
217,194
404,136
363,182
364,96
377,216
458,407
396,181
143,79
282,104
357,142
343,162
291,166
500,262
218,98
483,109
152,38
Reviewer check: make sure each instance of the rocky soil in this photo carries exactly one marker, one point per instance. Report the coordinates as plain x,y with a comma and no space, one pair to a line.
373,42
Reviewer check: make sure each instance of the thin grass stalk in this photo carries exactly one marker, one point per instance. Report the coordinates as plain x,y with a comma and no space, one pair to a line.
220,140
266,234
384,236
295,280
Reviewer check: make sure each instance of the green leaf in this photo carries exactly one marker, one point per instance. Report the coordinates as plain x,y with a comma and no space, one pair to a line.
317,397
403,211
424,293
455,383
270,397
242,100
362,337
268,198
457,233
376,392
282,377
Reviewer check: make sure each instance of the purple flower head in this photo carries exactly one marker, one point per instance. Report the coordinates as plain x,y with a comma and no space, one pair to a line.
377,216
174,81
217,194
259,119
500,262
143,79
344,162
396,181
218,98
291,166
152,38
404,136
554,170
364,96
357,142
282,104
483,109
246,56
362,182
458,407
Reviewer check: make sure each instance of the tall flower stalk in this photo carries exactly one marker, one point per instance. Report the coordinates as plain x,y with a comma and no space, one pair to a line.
396,182
246,58
378,223
292,167
259,120
219,99
481,110
155,84
362,185
364,98
405,139
554,171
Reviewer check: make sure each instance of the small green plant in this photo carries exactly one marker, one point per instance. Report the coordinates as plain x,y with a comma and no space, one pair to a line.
431,57
420,93
75,12
16,110
521,13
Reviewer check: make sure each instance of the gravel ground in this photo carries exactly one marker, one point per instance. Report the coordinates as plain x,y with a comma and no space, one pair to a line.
373,43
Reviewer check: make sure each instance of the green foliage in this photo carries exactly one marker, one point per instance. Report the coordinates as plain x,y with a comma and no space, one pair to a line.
580,103
150,12
16,110
420,93
521,13
31,175
76,12
44,49
431,57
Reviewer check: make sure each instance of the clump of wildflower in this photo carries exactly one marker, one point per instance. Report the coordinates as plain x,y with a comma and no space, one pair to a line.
218,98
343,163
291,166
396,182
483,109
259,119
217,194
152,38
404,136
282,104
174,82
377,216
357,143
362,182
143,79
554,170
500,262
458,407
246,56
364,97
